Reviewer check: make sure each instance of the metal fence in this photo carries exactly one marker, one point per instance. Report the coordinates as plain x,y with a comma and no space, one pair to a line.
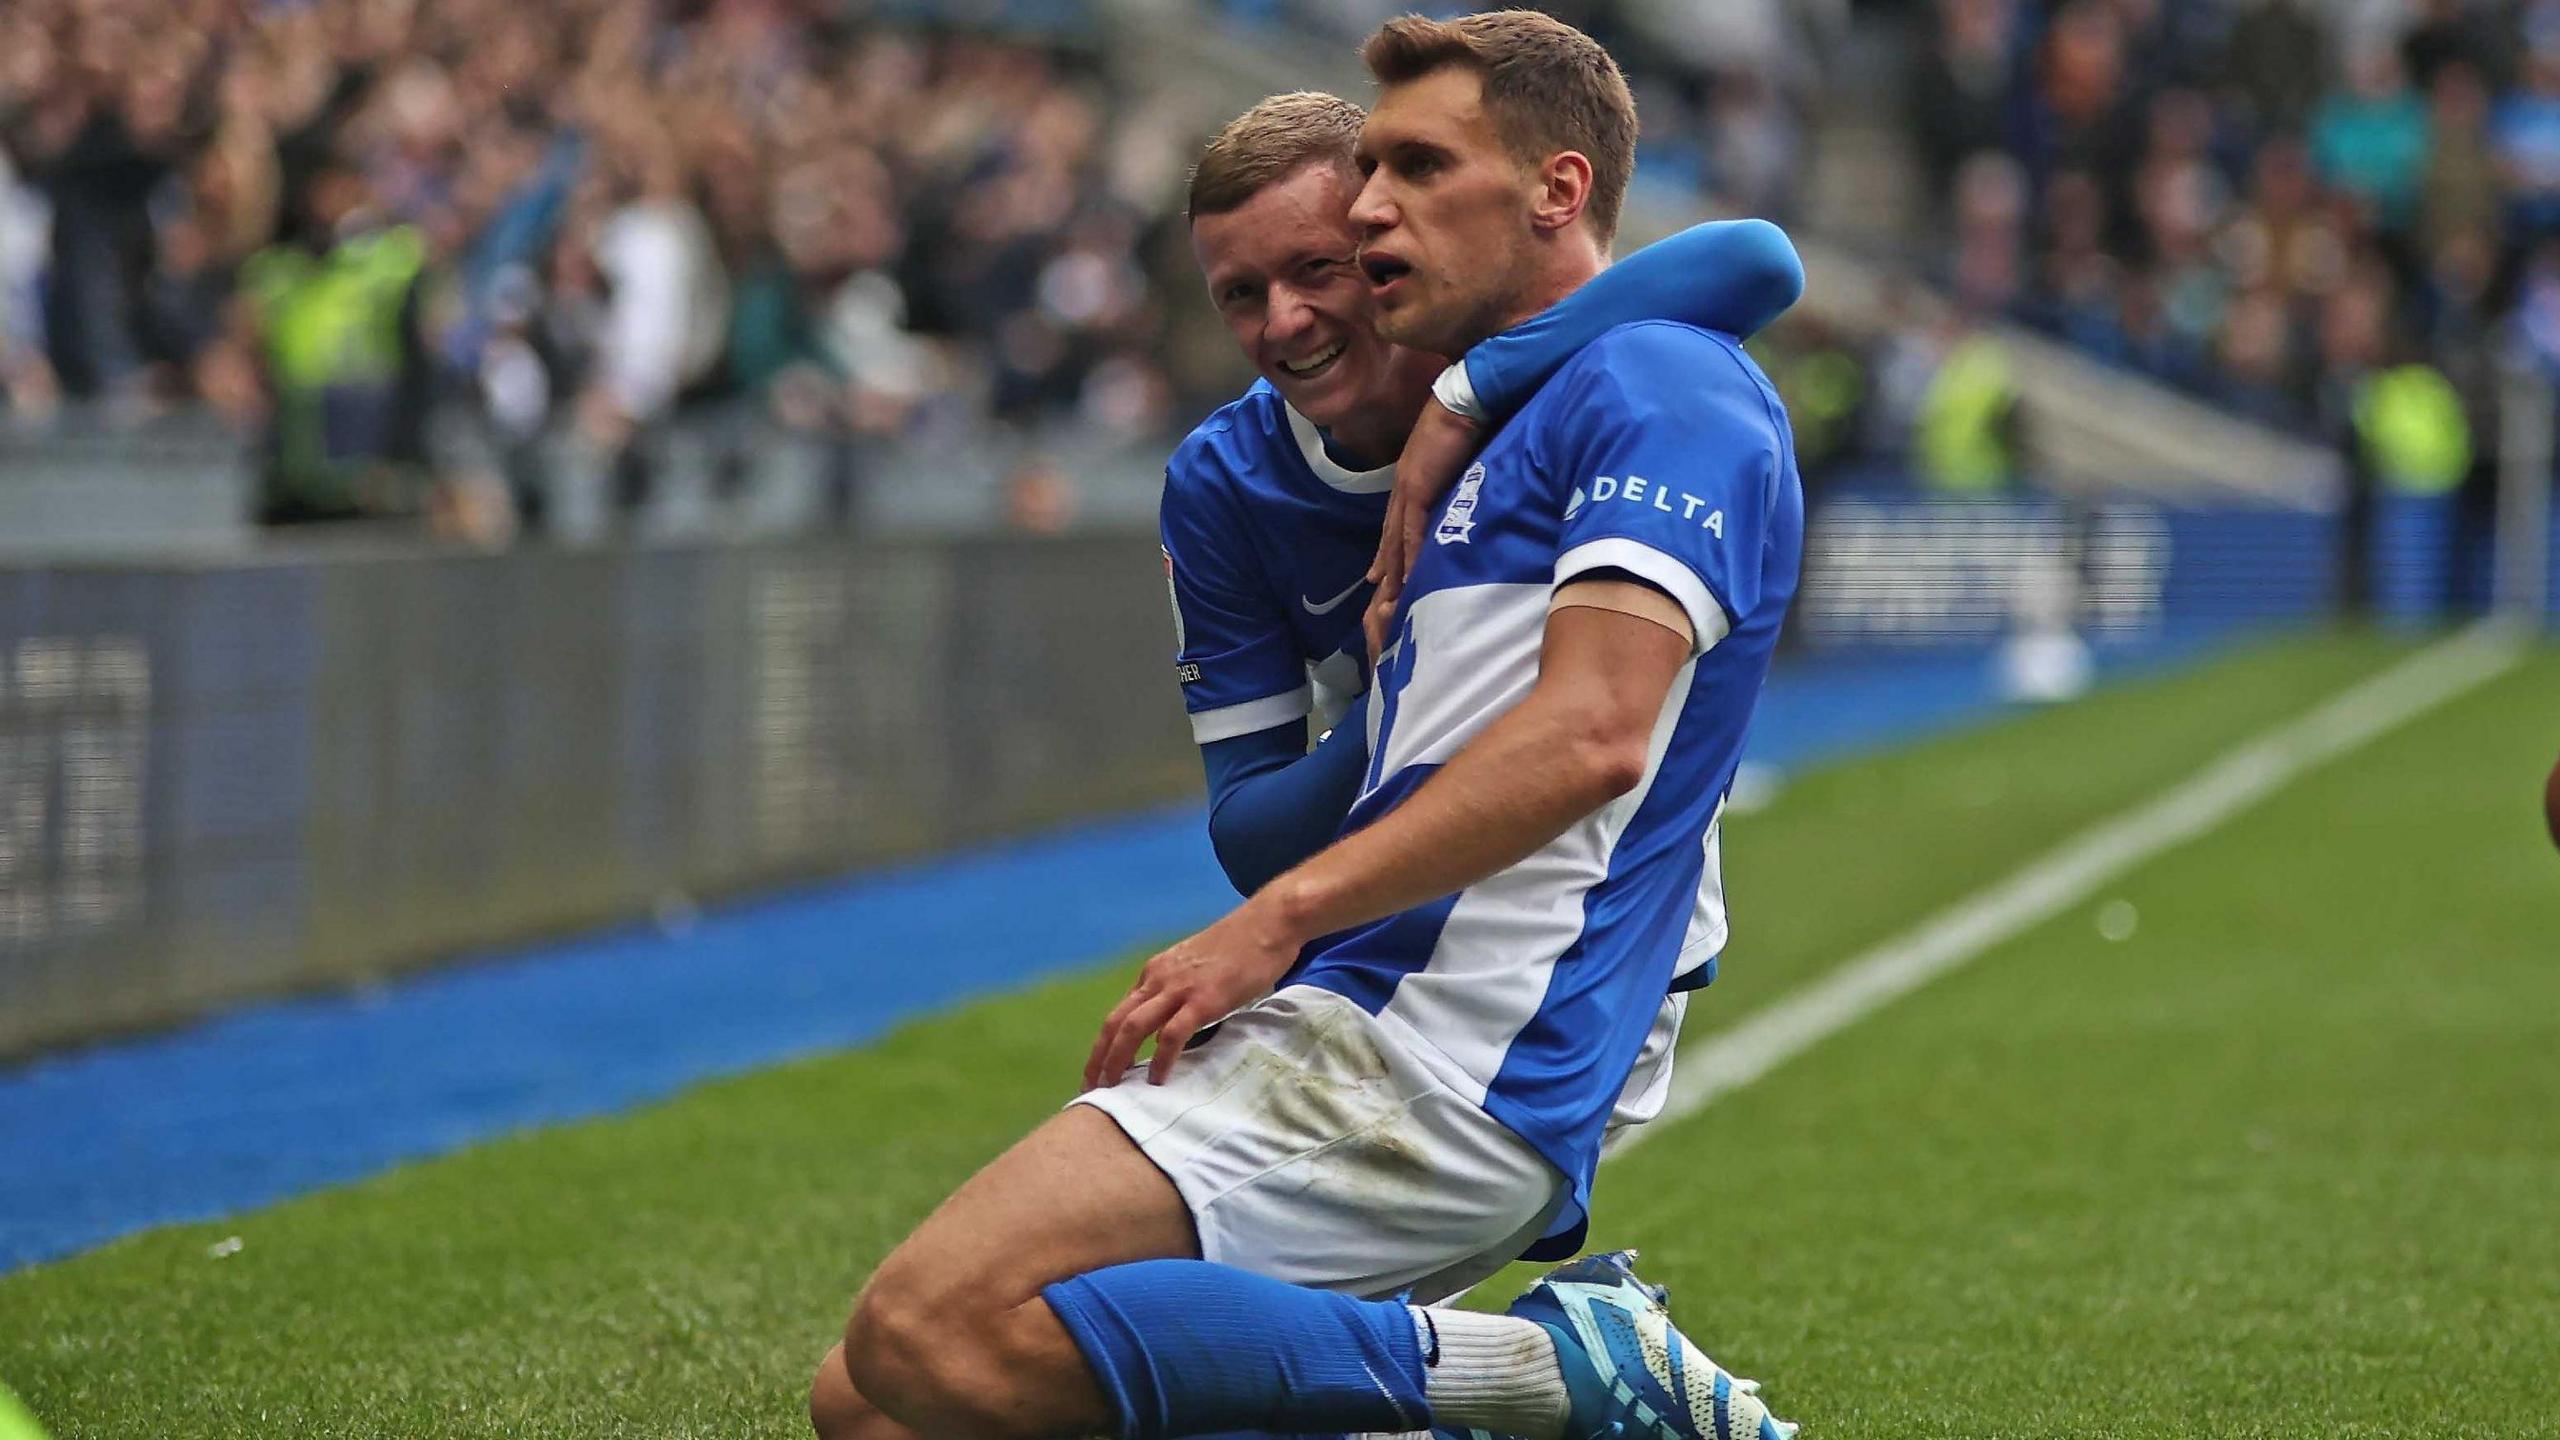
227,779
86,483
78,483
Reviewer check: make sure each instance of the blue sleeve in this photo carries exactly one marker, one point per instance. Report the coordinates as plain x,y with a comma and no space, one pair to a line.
1273,802
1240,667
1729,275
1675,450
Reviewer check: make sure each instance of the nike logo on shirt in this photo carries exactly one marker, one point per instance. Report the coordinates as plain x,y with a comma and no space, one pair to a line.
1329,606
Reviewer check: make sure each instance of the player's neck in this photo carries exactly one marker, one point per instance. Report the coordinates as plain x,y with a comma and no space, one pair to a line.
1374,434
1558,269
1369,440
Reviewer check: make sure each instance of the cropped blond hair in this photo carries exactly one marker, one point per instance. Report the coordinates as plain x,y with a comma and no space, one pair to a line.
1269,143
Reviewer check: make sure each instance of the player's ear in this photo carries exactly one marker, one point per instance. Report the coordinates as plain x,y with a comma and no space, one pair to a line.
1564,188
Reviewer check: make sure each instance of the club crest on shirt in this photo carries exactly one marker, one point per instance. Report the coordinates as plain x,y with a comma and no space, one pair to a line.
1458,522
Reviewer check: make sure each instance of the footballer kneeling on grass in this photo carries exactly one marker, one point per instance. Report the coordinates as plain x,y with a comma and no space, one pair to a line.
1411,1044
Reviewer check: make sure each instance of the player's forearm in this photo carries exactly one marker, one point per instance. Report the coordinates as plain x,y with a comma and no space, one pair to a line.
1266,816
1519,785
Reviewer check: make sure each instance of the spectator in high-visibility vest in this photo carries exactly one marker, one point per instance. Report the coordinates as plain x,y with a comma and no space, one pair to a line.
330,316
2414,440
1966,437
2411,431
1823,382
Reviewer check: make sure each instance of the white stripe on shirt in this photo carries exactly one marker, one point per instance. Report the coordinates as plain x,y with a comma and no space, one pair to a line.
1229,721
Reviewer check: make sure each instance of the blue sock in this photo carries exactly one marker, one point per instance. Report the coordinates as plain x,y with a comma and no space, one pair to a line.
1187,1348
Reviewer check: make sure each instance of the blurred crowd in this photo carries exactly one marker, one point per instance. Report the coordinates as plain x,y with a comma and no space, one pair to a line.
2322,216
432,247
442,253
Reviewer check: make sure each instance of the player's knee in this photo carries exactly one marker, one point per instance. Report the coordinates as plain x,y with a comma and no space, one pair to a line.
927,1366
881,1348
837,1411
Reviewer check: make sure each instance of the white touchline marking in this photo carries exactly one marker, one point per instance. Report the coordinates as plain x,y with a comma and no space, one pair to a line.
2068,874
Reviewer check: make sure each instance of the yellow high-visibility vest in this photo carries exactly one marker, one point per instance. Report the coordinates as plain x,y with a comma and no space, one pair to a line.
1962,442
2411,430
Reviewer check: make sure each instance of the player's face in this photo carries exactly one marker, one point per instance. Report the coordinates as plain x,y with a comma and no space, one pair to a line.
1283,273
1444,215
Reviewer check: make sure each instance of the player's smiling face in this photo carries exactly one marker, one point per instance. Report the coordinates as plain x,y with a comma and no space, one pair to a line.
1283,273
1443,214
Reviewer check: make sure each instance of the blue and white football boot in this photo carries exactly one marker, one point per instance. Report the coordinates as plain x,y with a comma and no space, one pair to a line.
1630,1372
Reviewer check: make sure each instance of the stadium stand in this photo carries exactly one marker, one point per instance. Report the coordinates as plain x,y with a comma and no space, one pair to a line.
482,241
603,257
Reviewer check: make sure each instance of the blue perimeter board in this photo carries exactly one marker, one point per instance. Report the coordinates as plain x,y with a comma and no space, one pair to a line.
275,1099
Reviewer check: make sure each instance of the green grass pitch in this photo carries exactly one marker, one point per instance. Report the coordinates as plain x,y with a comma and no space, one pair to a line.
2283,1162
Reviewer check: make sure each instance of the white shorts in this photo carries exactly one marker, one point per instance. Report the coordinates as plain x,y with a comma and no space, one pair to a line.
1313,1147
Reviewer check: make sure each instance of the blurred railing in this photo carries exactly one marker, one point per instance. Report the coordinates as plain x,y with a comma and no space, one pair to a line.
230,778
78,482
85,484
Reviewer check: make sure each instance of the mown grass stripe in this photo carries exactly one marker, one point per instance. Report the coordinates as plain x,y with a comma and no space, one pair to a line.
2072,871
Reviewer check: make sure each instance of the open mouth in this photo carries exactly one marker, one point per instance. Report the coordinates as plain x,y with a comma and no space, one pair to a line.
1317,363
1383,270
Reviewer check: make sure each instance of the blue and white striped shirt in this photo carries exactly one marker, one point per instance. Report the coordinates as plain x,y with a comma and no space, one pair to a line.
1662,453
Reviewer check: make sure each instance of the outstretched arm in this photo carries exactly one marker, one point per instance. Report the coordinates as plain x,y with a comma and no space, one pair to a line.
1729,275
1575,743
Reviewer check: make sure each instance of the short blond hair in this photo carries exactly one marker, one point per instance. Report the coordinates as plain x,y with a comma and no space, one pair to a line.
1547,88
1269,143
